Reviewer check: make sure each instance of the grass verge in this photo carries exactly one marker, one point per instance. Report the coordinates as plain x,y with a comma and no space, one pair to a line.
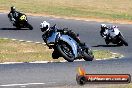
16,51
121,86
104,9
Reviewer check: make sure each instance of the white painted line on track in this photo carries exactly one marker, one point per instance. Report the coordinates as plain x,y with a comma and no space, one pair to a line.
21,40
25,41
43,43
14,39
38,42
29,41
25,84
12,63
40,62
5,38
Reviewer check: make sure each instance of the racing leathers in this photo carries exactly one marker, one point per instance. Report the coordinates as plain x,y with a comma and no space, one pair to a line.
13,15
105,33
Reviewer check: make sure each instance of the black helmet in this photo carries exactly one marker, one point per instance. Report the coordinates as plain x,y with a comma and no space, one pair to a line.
13,8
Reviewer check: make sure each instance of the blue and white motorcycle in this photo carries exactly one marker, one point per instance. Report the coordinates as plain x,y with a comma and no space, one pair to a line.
66,47
114,35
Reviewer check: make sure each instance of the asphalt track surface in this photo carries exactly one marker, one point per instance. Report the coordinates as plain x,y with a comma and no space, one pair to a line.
40,75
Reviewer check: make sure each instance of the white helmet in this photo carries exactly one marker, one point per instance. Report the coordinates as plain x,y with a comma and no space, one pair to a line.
114,26
103,25
44,26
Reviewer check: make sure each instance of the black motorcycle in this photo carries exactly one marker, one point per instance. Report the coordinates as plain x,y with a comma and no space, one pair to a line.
21,21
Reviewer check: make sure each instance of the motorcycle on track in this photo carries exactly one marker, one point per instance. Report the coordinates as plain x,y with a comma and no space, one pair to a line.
113,35
21,21
66,47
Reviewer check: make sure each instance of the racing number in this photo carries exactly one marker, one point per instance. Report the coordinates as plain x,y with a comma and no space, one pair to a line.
23,17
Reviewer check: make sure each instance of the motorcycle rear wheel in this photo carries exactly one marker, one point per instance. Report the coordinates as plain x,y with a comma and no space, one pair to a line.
88,55
123,41
29,26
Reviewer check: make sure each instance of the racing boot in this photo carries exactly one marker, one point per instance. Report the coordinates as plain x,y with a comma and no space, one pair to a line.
107,42
83,45
120,44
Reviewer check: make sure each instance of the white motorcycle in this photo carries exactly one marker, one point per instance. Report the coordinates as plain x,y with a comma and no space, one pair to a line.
113,35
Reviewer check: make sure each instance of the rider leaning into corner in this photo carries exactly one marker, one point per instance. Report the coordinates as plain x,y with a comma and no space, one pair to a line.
45,27
13,14
106,31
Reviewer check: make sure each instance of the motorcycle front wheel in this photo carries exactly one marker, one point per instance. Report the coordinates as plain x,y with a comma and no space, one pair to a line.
66,51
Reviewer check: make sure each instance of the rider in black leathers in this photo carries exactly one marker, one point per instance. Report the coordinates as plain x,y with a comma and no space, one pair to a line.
13,15
45,25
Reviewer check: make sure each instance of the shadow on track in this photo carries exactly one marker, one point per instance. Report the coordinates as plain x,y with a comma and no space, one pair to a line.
106,46
14,29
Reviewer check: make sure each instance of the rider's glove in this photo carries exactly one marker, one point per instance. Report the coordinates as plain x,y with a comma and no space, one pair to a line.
12,19
65,30
104,37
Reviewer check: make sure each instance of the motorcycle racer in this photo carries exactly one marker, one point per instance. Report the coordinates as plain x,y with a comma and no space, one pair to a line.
112,34
45,27
13,15
64,43
18,19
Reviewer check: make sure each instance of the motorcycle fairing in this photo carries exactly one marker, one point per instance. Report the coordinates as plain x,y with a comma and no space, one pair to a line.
114,33
71,42
52,38
23,17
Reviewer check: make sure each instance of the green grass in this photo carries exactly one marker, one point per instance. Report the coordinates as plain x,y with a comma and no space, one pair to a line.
15,51
105,54
105,9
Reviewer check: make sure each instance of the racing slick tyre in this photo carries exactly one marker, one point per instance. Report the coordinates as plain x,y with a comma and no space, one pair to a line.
123,41
29,26
66,51
88,55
